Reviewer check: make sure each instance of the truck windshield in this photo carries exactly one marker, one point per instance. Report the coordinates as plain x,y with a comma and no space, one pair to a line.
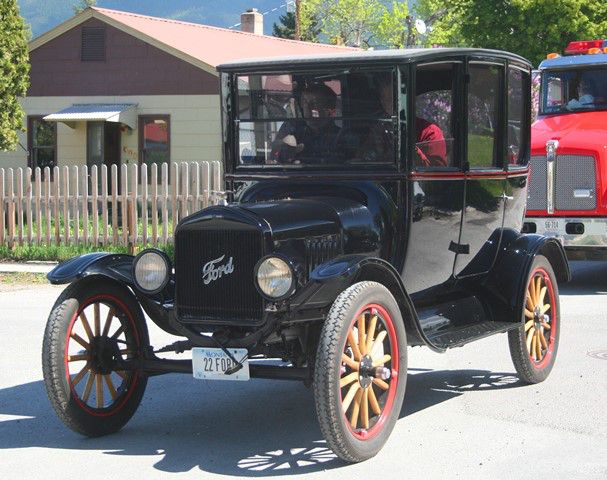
579,90
320,119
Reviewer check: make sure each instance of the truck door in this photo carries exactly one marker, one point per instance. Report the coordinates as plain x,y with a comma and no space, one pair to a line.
485,184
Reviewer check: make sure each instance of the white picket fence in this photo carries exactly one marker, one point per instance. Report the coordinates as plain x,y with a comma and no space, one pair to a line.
130,206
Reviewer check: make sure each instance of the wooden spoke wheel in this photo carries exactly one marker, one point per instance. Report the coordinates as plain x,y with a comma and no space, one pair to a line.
92,329
534,345
360,371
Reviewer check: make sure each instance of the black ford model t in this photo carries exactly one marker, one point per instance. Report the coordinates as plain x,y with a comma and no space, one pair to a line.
374,201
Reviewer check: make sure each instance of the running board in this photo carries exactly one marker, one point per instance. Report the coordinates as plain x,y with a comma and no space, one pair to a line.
458,336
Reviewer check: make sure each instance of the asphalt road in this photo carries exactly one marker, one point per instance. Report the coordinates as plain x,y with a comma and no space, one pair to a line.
465,413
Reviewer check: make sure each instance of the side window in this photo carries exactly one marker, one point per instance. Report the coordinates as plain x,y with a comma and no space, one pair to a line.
518,85
42,141
434,126
483,110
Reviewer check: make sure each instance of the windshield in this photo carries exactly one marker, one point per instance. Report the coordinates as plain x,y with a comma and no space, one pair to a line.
574,90
320,119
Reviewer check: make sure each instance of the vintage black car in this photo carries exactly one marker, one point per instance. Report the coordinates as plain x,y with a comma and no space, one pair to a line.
374,202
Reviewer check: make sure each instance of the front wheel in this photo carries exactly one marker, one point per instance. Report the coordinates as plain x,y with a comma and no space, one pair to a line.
533,346
93,326
361,371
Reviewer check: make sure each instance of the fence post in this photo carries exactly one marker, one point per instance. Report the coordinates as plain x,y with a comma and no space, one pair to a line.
206,183
76,205
104,203
47,204
132,208
38,199
95,204
66,205
20,205
28,204
155,204
144,205
3,208
124,195
165,203
56,206
114,179
217,182
11,208
174,194
84,178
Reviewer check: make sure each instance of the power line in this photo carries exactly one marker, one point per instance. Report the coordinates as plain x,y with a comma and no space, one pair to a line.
287,5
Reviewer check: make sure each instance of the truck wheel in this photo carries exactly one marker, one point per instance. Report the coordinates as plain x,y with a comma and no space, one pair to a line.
92,324
361,371
534,345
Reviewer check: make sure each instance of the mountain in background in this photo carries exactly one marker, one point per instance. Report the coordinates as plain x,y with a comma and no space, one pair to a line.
43,15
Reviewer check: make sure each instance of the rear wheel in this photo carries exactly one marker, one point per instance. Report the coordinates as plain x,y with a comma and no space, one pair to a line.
94,324
533,346
361,371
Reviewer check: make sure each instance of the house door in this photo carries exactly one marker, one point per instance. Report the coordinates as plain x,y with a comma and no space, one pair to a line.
103,147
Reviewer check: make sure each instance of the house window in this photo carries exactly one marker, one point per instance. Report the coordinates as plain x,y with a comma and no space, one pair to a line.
93,44
42,143
154,139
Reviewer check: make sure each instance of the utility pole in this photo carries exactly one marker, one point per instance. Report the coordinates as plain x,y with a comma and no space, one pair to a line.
297,20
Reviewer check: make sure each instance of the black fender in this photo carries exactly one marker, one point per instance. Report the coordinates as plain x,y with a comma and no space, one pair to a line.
116,266
328,280
506,282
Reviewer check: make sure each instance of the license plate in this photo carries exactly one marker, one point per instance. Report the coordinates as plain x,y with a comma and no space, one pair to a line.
211,363
551,225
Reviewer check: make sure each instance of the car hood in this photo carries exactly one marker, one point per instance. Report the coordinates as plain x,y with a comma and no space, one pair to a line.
575,131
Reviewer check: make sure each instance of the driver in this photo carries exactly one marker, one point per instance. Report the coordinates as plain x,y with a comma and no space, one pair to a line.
586,94
312,138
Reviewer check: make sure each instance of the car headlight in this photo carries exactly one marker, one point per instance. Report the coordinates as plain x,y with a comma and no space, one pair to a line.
275,278
151,271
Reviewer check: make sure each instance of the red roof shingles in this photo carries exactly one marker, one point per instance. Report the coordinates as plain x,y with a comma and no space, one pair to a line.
214,45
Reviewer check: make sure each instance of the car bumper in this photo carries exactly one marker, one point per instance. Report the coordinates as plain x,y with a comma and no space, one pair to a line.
582,237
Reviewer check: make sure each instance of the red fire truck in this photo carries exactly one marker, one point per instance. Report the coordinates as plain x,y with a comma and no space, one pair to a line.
567,194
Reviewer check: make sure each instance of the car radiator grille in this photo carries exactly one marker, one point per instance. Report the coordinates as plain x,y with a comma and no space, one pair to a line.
574,183
231,298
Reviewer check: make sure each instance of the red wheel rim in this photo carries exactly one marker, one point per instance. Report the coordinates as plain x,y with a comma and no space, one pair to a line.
80,334
367,400
540,315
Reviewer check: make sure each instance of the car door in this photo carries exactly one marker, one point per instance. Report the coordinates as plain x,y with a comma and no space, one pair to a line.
485,182
436,179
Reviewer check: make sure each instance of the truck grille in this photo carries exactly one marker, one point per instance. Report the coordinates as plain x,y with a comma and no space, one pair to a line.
574,183
230,299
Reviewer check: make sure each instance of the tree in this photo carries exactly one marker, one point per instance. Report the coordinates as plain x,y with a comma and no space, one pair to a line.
531,28
83,5
14,72
349,22
286,28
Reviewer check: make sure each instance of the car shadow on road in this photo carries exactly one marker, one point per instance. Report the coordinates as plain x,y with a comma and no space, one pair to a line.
587,278
265,428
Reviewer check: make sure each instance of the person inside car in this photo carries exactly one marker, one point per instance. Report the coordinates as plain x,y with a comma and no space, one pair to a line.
311,139
586,94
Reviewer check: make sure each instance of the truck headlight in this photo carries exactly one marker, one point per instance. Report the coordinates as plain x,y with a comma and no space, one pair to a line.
275,278
151,271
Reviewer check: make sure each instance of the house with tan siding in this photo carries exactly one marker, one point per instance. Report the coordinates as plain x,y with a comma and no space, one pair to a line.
112,87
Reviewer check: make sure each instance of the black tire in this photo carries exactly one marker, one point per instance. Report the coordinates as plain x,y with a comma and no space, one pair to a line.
539,325
116,395
336,405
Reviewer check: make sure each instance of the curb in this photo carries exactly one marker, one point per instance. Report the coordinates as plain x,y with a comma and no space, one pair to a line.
30,267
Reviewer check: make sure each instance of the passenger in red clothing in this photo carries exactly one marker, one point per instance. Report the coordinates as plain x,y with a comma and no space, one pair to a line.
430,146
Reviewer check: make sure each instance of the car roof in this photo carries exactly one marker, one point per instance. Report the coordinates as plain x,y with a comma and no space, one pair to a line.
574,61
367,56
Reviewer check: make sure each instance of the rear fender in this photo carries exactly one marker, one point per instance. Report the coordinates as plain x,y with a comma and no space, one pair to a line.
112,265
506,282
328,280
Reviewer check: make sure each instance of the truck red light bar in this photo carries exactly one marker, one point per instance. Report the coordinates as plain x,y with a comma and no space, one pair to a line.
582,47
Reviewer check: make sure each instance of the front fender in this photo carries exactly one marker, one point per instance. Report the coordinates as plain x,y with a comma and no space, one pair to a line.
116,266
328,280
507,280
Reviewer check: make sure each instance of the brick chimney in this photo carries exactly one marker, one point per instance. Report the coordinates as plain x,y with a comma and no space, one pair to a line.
251,21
